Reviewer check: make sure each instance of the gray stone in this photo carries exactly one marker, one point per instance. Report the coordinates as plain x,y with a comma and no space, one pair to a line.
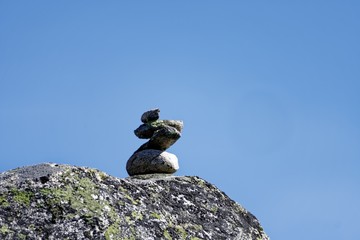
146,131
152,161
150,116
162,139
84,203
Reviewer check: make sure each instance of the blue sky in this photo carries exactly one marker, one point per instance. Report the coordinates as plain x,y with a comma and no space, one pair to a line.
268,91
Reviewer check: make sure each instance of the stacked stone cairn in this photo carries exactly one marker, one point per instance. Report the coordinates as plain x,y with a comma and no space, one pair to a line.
151,157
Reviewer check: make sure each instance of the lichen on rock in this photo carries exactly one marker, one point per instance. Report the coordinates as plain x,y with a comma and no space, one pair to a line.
52,201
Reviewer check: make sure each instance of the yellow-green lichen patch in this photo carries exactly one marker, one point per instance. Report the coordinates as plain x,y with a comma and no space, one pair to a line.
167,235
126,195
82,197
195,227
200,181
131,199
137,215
214,209
128,220
4,229
156,124
121,203
31,227
21,197
121,189
155,215
195,238
103,176
181,231
3,201
113,231
21,236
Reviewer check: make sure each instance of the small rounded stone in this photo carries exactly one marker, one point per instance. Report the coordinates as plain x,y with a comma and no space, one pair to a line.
152,161
150,116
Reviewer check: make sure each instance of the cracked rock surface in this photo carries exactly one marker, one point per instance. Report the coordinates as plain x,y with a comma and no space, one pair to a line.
52,201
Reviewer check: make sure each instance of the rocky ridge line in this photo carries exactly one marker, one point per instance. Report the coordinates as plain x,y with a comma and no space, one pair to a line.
52,201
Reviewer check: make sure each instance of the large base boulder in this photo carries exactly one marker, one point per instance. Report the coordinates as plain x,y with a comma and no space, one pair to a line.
52,201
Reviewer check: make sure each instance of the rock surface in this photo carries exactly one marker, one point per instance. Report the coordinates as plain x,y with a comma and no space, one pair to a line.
52,201
150,116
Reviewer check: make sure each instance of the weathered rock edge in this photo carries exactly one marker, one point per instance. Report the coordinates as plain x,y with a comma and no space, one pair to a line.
52,201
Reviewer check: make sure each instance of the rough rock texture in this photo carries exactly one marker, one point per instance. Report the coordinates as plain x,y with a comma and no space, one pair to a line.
150,116
152,161
51,201
162,134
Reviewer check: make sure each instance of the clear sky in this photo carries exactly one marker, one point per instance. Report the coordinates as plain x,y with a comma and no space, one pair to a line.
268,91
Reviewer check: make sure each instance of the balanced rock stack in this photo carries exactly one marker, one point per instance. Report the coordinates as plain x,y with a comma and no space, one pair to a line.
151,157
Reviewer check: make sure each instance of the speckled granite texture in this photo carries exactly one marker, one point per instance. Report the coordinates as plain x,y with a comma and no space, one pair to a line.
52,201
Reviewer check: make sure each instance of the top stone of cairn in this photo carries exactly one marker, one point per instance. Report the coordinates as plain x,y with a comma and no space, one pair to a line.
150,116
